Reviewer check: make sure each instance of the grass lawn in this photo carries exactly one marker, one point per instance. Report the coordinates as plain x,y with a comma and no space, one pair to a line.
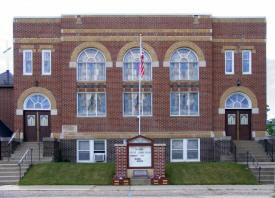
209,173
65,173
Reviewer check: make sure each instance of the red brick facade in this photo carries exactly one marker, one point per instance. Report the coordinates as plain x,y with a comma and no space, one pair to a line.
6,106
205,35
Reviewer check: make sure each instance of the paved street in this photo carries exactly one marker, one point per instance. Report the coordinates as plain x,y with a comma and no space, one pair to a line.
225,191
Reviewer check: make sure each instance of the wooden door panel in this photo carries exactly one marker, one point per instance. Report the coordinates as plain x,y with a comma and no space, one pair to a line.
30,128
245,124
44,124
231,123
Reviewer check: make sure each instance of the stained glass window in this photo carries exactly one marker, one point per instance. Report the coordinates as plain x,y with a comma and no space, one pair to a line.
46,62
184,103
184,65
229,61
131,101
246,61
130,65
91,104
27,62
37,102
91,65
238,101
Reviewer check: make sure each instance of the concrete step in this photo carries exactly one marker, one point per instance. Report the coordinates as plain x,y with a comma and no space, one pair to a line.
16,174
12,165
9,182
140,181
267,181
5,178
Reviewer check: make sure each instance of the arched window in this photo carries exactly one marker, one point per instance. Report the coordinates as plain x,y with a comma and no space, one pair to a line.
184,65
91,65
130,65
238,101
37,102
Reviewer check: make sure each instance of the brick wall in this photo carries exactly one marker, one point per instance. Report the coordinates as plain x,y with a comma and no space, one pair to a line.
159,159
121,160
212,80
6,106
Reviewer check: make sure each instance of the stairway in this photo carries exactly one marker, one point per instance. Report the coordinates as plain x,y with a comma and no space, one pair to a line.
253,147
9,169
266,174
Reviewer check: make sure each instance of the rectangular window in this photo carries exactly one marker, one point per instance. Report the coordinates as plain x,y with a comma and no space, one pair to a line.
27,62
184,104
229,61
130,104
46,62
184,71
185,150
246,62
91,151
91,104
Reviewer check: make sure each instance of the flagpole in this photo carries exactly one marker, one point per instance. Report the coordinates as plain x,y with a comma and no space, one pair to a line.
139,86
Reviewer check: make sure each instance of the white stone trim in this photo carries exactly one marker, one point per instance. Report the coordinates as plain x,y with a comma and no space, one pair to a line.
255,110
53,111
224,134
109,64
72,65
119,64
202,64
69,128
19,111
212,134
155,64
221,111
166,64
253,134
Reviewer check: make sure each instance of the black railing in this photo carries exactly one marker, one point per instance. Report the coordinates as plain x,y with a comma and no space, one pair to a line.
23,159
269,149
254,162
234,150
10,143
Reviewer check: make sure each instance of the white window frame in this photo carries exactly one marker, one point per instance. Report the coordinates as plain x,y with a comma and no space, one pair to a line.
250,62
43,65
24,61
141,105
133,68
91,151
185,142
225,59
188,106
86,76
188,66
91,116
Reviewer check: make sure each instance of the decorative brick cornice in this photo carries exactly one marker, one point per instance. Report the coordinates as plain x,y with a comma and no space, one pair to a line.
242,89
239,20
41,90
36,40
37,20
130,45
79,31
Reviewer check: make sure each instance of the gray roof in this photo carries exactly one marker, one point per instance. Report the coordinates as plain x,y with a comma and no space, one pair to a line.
6,79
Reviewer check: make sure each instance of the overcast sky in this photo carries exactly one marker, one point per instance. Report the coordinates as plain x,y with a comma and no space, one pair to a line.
216,8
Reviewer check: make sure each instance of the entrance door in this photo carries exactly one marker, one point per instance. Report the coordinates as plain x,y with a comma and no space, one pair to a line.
238,123
37,124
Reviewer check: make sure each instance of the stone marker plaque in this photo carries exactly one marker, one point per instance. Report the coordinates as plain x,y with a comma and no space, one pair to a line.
140,156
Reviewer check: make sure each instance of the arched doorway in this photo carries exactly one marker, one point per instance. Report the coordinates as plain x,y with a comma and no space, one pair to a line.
37,122
238,116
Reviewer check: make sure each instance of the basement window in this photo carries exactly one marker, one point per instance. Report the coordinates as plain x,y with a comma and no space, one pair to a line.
90,151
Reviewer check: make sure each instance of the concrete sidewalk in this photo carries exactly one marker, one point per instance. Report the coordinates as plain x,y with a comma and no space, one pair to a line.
225,191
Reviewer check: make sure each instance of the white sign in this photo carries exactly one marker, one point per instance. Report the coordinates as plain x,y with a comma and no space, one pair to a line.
140,156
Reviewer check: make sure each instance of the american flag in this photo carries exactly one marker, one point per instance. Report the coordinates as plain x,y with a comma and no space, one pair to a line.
141,60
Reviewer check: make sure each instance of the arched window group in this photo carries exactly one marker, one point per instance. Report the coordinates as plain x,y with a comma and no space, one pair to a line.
91,65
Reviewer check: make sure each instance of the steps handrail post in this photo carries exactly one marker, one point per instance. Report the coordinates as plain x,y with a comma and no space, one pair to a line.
260,174
235,152
31,155
39,150
247,153
19,171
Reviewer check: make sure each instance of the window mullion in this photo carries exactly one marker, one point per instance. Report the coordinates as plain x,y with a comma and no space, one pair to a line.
96,104
179,101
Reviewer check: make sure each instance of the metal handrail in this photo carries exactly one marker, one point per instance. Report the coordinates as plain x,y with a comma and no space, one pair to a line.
269,149
255,162
10,141
21,161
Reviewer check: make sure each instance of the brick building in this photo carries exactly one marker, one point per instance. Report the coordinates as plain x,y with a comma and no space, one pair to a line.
75,79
